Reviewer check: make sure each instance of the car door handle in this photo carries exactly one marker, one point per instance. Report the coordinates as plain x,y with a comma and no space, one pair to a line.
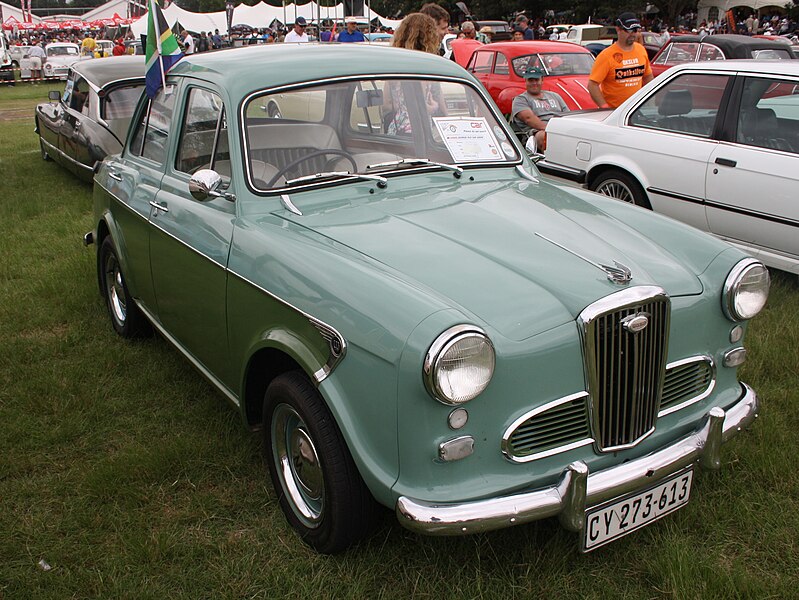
77,124
158,207
114,175
726,162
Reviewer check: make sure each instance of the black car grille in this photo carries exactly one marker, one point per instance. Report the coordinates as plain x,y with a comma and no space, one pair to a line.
625,369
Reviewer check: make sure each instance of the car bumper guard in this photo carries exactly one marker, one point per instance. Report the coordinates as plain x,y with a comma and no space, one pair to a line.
577,489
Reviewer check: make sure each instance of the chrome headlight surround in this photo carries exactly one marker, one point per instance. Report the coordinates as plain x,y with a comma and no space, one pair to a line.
745,290
440,363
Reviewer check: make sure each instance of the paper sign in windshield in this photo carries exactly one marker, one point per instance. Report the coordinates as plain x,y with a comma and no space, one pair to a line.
468,139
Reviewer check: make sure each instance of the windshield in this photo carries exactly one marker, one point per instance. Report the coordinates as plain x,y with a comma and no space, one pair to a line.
62,51
565,63
370,127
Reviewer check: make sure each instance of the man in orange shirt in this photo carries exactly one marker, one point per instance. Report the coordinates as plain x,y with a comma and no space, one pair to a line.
622,68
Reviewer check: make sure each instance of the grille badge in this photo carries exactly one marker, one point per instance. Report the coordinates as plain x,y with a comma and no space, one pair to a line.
635,323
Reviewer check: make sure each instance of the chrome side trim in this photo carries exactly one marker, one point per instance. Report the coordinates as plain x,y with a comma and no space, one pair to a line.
190,357
328,332
569,497
66,157
154,223
290,206
505,444
703,395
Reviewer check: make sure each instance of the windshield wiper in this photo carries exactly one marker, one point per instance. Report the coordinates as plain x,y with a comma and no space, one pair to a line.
415,162
381,181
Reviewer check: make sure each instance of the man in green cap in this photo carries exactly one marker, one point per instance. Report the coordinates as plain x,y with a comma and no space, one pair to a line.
532,109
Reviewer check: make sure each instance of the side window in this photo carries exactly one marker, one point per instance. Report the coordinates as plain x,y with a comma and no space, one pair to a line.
79,97
501,65
688,104
120,102
203,138
682,53
152,131
769,116
709,52
482,62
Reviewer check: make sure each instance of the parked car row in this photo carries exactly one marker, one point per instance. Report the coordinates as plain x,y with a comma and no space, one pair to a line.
378,279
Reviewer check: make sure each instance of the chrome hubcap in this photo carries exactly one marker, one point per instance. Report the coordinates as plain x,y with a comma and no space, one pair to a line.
298,465
115,288
616,189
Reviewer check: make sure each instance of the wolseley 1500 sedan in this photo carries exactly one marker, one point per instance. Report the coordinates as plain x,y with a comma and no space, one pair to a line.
413,318
90,119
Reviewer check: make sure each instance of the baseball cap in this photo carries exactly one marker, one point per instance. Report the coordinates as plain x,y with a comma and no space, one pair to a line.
534,73
301,22
628,21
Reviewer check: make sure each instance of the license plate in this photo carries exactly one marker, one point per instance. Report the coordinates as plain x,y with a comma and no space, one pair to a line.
618,517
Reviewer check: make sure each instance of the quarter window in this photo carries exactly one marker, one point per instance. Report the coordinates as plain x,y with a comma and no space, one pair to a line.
688,104
152,132
204,139
482,62
501,66
769,116
120,102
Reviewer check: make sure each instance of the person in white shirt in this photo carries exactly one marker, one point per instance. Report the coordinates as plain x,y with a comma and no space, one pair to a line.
188,43
298,33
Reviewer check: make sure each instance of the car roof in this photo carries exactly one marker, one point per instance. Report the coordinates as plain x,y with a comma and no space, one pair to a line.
730,43
242,70
759,67
536,47
60,44
102,71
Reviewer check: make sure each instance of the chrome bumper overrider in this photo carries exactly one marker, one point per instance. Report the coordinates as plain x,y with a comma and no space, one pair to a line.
578,489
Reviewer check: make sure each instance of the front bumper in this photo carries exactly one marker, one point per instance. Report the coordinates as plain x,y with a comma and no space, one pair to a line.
577,489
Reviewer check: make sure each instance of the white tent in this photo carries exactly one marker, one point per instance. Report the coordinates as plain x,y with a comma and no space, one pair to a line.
13,11
715,9
260,15
107,10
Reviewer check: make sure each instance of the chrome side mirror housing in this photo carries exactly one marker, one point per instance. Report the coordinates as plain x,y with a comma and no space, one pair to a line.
204,185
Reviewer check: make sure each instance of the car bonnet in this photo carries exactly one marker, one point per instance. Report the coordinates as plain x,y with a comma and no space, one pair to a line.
523,257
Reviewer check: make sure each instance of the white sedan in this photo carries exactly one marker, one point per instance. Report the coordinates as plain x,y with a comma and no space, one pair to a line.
60,57
715,145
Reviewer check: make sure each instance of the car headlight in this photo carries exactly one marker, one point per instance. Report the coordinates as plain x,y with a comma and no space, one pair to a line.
459,364
746,290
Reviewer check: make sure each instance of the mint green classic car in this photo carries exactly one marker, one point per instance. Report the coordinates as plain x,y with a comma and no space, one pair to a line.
378,279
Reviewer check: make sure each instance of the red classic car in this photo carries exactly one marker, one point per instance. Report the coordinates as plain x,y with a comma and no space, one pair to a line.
500,66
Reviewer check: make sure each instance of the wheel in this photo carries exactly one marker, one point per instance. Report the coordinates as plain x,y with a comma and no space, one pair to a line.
309,156
320,490
273,111
621,186
45,155
127,319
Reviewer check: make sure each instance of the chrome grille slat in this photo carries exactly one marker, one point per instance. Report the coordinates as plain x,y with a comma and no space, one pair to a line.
552,428
686,382
625,369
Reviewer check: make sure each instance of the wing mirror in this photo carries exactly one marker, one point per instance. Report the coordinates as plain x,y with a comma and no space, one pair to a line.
204,185
54,96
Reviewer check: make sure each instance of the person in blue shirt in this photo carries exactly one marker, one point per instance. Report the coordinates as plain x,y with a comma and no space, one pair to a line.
351,33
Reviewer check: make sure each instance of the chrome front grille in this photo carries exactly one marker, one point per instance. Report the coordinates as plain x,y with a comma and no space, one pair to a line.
687,381
555,427
625,368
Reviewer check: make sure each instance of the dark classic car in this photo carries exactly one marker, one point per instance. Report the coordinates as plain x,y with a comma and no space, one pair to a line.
500,67
382,284
89,120
699,48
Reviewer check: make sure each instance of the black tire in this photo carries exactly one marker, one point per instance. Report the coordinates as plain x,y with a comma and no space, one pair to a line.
318,485
622,186
126,318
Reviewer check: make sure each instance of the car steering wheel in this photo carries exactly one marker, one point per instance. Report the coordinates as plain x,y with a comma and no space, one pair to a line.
314,154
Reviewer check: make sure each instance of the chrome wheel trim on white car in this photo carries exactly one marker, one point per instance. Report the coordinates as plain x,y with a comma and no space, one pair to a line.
616,189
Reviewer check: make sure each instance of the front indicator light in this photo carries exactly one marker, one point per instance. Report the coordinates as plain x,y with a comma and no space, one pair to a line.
459,364
735,357
456,448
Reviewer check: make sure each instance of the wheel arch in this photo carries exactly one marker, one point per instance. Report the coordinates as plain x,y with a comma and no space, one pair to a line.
598,169
264,365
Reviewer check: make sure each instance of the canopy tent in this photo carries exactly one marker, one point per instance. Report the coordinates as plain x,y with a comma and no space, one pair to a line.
715,9
107,11
260,15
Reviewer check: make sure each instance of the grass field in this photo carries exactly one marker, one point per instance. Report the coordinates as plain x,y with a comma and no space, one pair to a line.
132,478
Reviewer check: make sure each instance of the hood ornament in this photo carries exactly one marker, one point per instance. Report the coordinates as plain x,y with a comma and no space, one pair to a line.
618,273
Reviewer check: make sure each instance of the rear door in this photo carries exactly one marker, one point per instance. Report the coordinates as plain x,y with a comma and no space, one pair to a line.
753,176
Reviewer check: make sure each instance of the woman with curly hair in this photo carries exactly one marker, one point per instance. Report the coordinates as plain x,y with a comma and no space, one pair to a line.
417,32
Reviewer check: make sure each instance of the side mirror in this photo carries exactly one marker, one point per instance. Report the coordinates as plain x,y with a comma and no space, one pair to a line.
54,96
204,185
